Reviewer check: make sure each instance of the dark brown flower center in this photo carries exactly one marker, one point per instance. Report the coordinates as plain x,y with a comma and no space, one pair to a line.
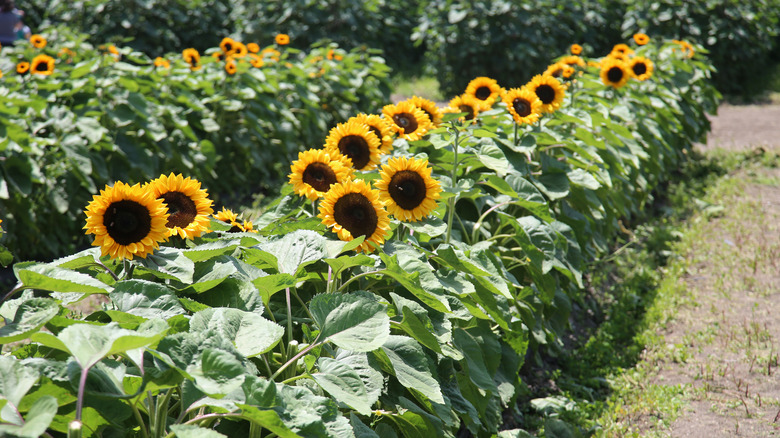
469,110
228,47
406,121
639,68
320,176
41,66
356,214
127,222
522,106
545,93
482,93
615,74
181,208
356,148
407,188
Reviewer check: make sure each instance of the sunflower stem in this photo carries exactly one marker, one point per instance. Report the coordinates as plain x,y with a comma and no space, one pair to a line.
454,177
289,319
516,137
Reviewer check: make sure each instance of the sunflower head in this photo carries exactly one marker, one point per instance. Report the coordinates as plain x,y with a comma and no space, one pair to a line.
161,62
253,48
573,60
282,39
685,47
248,227
353,209
575,49
270,53
316,170
430,109
191,57
641,38
23,67
226,215
465,103
42,65
523,104
560,70
407,189
379,127
641,67
485,90
239,50
256,60
38,41
549,90
355,141
230,66
622,49
614,72
127,221
227,44
407,120
188,205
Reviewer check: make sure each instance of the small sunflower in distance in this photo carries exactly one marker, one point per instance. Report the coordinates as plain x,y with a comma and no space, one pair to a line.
378,126
248,227
38,41
523,104
160,62
353,209
316,170
575,49
230,66
407,189
188,205
614,73
255,60
42,65
23,67
227,44
355,141
239,50
641,67
191,57
127,221
405,118
621,49
549,91
230,217
282,39
685,47
253,48
429,107
465,103
641,38
485,90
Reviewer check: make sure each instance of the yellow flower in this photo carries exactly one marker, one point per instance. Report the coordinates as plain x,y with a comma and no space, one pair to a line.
271,53
282,39
127,221
622,49
355,141
465,103
230,66
239,50
191,57
429,107
353,209
42,65
38,41
485,90
407,188
523,104
226,215
641,67
641,39
379,127
256,60
227,44
161,62
614,72
316,170
410,122
253,47
188,205
575,49
549,90
247,227
22,67
685,47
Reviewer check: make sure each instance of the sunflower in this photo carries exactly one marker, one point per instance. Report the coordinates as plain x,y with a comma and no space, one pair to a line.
38,41
641,38
406,119
685,47
484,89
622,49
192,57
22,67
641,67
353,209
429,107
355,141
575,49
559,70
573,60
271,53
161,62
230,66
227,44
253,48
256,60
282,39
549,91
614,72
378,126
524,105
127,221
465,103
113,50
316,170
226,215
407,189
188,205
42,65
239,50
248,227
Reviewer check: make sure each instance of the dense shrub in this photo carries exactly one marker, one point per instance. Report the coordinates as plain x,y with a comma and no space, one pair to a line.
97,119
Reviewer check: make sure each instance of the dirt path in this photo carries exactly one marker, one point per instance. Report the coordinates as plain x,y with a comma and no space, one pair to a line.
727,341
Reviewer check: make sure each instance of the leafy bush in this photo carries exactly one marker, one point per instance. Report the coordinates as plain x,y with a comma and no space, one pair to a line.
288,332
97,120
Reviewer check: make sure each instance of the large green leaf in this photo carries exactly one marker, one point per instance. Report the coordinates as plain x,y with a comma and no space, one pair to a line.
217,372
56,279
355,321
267,419
15,380
251,333
295,250
192,431
169,263
37,420
30,316
344,384
411,366
146,299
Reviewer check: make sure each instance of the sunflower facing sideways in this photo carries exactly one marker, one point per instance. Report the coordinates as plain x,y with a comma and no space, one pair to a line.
188,205
410,122
484,89
429,107
353,209
230,66
191,57
407,189
315,170
465,103
42,65
549,91
230,217
127,221
523,104
641,67
614,73
378,126
355,141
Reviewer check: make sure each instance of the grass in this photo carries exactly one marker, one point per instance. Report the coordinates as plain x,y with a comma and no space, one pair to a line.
423,86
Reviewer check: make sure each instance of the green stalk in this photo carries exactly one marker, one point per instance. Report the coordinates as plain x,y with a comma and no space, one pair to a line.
454,179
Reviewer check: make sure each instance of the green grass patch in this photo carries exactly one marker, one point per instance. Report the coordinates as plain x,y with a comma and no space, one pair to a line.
423,86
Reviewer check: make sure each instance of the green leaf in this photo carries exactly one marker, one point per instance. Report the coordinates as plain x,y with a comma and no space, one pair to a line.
360,429
411,281
493,158
356,321
295,250
37,420
411,366
211,249
251,333
217,372
416,328
15,380
267,419
192,431
583,179
348,261
30,316
343,384
146,299
169,263
56,279
83,68
553,184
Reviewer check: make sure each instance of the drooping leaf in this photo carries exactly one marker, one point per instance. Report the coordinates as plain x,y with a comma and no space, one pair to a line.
356,321
251,333
146,299
30,316
411,366
343,384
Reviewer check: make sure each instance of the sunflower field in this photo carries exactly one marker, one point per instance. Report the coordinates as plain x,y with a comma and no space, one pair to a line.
415,258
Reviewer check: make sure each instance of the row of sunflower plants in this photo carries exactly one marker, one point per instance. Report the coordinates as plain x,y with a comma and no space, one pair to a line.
413,263
76,117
